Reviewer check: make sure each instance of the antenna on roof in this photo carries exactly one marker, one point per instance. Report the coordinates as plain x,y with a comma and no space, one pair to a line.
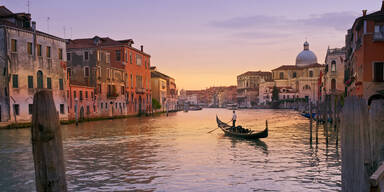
48,24
28,5
64,31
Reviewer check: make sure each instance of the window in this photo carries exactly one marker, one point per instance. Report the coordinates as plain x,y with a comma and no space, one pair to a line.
13,45
145,63
138,59
61,84
139,81
86,94
60,54
130,58
39,50
108,74
30,82
333,66
81,95
126,56
294,74
306,87
30,106
74,94
68,56
15,81
16,109
86,55
101,105
86,71
107,58
49,83
29,48
5,91
281,75
39,79
48,54
131,80
122,90
379,32
88,111
69,72
92,95
333,84
310,73
99,87
118,55
378,73
61,108
106,105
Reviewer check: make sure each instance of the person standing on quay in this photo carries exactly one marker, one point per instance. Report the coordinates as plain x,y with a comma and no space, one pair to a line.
234,117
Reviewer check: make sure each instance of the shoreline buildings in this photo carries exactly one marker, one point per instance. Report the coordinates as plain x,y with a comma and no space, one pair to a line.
364,66
294,81
248,87
30,60
164,90
107,78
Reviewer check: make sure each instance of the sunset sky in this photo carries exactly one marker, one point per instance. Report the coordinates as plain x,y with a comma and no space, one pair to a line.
203,43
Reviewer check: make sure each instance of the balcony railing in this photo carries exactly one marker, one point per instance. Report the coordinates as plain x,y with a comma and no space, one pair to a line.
378,36
140,90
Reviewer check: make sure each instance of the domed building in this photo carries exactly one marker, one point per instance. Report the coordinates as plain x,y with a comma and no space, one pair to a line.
306,57
295,81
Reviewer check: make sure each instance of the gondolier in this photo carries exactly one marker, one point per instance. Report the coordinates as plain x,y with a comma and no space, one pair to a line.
234,117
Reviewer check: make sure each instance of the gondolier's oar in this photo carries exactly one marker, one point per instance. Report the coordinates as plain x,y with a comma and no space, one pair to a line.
218,127
212,130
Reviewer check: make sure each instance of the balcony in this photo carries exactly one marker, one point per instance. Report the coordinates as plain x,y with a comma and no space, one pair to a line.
140,90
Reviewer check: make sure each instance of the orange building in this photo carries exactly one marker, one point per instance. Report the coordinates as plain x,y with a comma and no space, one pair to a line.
82,98
116,73
364,67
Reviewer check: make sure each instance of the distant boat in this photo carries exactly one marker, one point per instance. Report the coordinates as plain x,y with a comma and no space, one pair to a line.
195,108
307,115
246,134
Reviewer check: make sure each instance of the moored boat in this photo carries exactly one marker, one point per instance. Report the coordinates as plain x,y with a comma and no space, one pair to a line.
247,134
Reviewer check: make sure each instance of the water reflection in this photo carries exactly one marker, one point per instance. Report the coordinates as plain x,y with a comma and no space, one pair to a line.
176,153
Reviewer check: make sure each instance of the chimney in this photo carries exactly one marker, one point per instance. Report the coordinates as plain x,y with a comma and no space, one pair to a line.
34,25
364,12
382,6
142,48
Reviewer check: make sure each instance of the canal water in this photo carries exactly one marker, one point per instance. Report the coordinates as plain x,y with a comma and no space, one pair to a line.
176,153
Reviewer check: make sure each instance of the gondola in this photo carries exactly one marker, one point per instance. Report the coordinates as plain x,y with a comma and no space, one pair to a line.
248,135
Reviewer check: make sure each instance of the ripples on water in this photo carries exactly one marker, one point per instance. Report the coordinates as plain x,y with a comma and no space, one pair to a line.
175,153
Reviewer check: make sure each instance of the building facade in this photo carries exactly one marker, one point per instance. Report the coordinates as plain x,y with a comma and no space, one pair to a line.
333,76
295,81
248,87
30,60
364,66
118,73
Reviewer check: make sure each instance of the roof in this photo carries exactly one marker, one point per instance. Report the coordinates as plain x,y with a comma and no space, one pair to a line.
375,16
294,67
92,42
160,75
256,73
97,41
4,11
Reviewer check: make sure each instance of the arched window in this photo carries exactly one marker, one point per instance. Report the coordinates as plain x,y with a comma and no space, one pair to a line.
39,79
333,66
310,73
306,87
333,84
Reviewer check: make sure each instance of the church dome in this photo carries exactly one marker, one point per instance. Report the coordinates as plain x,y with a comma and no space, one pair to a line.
306,57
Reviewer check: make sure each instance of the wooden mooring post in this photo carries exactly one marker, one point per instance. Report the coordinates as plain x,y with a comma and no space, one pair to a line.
310,122
47,145
362,145
317,122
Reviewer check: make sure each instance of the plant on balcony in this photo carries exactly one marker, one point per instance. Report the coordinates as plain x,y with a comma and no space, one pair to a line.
155,104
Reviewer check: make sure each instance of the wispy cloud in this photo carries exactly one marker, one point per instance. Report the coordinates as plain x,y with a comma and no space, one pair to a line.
268,27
